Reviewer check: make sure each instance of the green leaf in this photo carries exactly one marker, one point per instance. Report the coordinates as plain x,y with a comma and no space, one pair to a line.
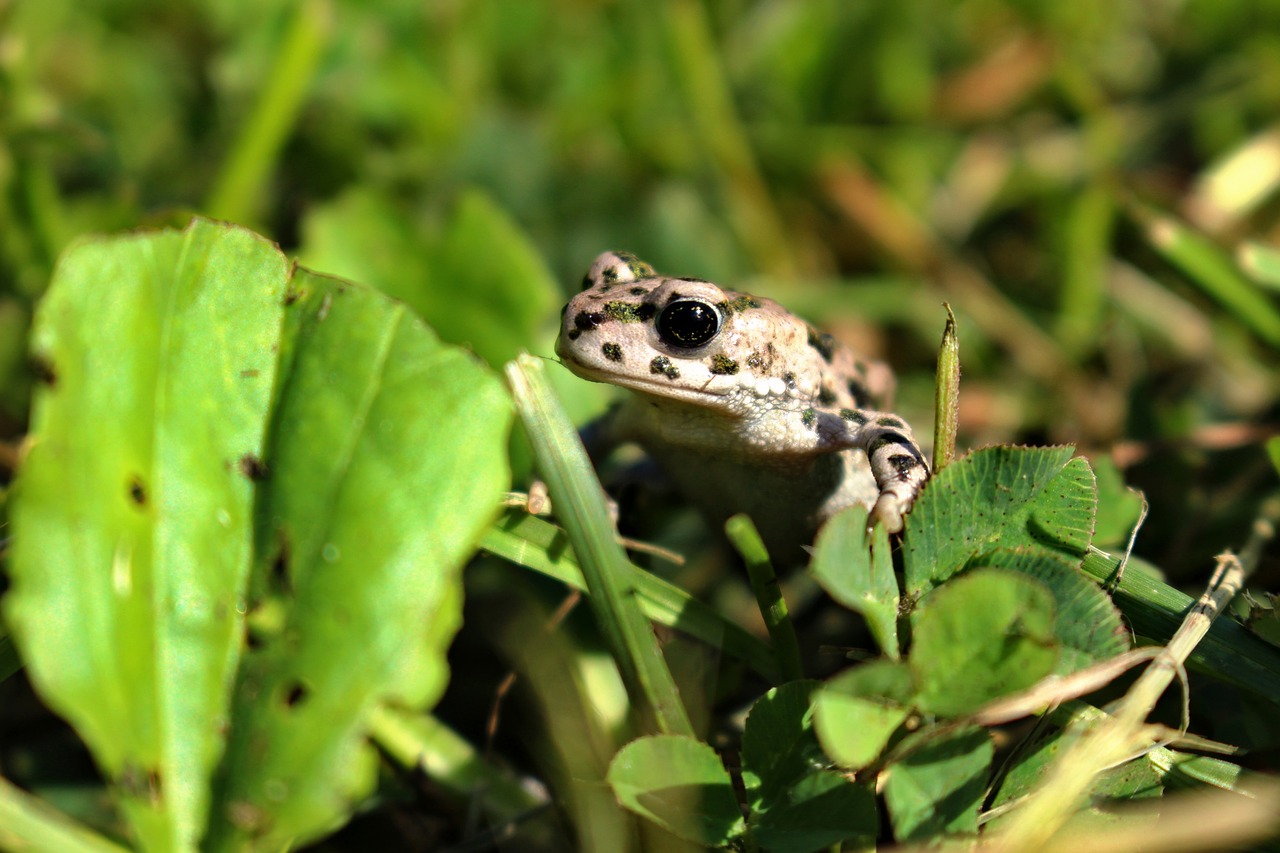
680,783
938,786
1087,623
857,712
860,579
385,462
983,635
1273,450
820,809
132,514
1119,507
796,804
221,435
778,743
998,497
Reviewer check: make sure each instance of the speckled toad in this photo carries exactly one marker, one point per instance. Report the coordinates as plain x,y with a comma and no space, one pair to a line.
746,407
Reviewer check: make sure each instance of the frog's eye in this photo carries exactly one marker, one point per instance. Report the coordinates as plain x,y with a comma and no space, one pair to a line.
688,323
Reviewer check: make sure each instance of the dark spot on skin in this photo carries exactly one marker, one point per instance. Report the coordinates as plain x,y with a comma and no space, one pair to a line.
904,465
586,282
613,352
137,491
674,297
663,366
638,291
754,361
890,421
609,274
585,321
629,312
253,467
826,396
694,280
573,334
790,378
295,695
722,365
43,370
809,417
893,438
737,304
853,416
823,343
858,391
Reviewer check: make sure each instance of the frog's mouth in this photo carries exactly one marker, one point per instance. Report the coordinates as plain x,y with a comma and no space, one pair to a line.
661,386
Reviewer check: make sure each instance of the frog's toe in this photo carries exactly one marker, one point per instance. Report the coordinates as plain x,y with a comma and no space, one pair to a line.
888,513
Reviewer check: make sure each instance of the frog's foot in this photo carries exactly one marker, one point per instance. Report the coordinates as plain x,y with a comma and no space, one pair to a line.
900,472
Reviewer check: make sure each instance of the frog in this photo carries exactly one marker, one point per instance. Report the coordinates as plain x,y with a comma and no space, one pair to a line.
746,407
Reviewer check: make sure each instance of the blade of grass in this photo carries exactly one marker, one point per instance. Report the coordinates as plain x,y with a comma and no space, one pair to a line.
946,399
237,192
28,823
1153,609
764,583
1210,269
529,541
580,502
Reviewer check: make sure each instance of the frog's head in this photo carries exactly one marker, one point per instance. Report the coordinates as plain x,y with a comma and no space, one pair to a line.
679,338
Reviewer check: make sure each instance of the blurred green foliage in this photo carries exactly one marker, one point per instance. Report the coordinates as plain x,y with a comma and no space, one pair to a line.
1090,185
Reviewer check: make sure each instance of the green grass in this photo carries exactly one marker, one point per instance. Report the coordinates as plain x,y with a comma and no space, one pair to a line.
1091,188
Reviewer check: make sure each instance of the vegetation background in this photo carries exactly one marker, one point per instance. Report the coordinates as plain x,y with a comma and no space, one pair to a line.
1091,186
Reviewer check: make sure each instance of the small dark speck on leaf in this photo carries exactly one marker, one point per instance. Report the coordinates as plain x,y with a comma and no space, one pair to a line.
253,467
137,491
295,695
250,374
44,371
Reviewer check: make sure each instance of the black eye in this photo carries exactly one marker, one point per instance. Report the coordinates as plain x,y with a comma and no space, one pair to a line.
688,323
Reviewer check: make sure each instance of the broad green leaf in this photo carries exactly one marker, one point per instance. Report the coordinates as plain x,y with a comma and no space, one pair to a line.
937,787
1086,623
778,743
385,460
983,635
998,497
133,512
860,579
223,434
679,783
857,712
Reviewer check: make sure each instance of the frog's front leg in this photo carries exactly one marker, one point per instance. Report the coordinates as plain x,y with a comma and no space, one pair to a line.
896,461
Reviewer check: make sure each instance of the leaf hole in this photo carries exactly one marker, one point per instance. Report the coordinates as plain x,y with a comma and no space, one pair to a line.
137,490
296,695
